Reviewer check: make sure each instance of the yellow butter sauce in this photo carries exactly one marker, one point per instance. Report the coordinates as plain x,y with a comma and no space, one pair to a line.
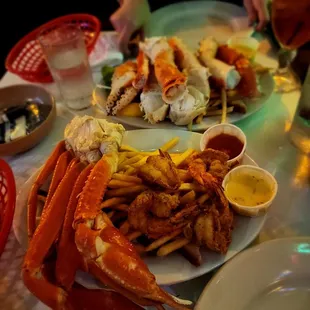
248,189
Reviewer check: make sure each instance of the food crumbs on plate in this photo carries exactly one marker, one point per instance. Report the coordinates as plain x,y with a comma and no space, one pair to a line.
248,190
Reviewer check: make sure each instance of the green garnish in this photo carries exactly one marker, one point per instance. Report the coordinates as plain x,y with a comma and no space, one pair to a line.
107,73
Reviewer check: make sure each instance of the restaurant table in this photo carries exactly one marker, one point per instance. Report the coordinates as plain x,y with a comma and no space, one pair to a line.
268,144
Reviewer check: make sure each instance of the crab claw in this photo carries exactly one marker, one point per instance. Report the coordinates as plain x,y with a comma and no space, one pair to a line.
103,246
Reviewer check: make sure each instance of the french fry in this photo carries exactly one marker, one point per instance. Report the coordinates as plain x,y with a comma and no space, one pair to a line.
126,178
199,118
106,219
216,103
170,144
121,157
231,93
188,231
192,253
184,175
190,126
140,163
125,191
129,161
130,154
134,235
224,105
119,184
219,112
128,148
124,228
112,202
203,198
162,240
191,187
120,207
172,246
180,159
187,198
130,170
155,153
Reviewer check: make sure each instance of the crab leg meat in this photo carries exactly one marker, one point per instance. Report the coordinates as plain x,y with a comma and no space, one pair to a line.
43,175
43,239
59,172
68,257
143,71
247,86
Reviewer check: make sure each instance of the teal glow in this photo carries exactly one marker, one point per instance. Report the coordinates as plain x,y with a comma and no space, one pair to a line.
303,248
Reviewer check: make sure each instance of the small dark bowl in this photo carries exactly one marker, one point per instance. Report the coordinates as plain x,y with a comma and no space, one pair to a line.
17,95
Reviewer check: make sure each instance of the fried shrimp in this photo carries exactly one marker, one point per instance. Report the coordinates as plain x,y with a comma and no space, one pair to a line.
148,215
161,170
163,204
213,228
215,163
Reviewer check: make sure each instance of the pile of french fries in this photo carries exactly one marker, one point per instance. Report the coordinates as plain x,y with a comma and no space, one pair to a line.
124,187
221,104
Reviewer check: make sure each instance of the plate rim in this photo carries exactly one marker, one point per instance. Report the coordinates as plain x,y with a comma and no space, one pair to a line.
240,255
130,120
189,276
192,4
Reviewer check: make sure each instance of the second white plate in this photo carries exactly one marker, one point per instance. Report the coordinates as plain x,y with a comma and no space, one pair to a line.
270,276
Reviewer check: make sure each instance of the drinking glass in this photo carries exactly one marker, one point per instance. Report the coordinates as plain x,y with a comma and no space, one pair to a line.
300,130
284,77
66,55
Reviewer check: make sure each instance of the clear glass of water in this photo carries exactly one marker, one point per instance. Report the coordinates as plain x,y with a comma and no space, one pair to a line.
66,55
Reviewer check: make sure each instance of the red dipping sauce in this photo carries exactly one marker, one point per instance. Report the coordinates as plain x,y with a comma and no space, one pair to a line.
229,144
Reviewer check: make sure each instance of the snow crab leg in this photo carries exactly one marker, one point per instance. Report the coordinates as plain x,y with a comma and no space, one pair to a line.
42,177
68,257
104,247
43,240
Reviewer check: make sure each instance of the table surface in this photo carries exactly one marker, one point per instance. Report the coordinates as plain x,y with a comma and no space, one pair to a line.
268,145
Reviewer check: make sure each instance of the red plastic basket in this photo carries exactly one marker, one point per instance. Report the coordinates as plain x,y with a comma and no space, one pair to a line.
7,202
26,58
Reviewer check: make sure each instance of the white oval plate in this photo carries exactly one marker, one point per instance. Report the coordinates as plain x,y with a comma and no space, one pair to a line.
272,275
253,106
192,21
173,268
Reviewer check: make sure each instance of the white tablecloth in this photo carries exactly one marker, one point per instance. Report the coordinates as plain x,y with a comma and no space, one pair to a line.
268,145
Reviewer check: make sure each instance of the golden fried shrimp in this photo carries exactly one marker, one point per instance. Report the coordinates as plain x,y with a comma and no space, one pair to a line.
163,204
209,155
214,229
142,218
161,170
215,163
